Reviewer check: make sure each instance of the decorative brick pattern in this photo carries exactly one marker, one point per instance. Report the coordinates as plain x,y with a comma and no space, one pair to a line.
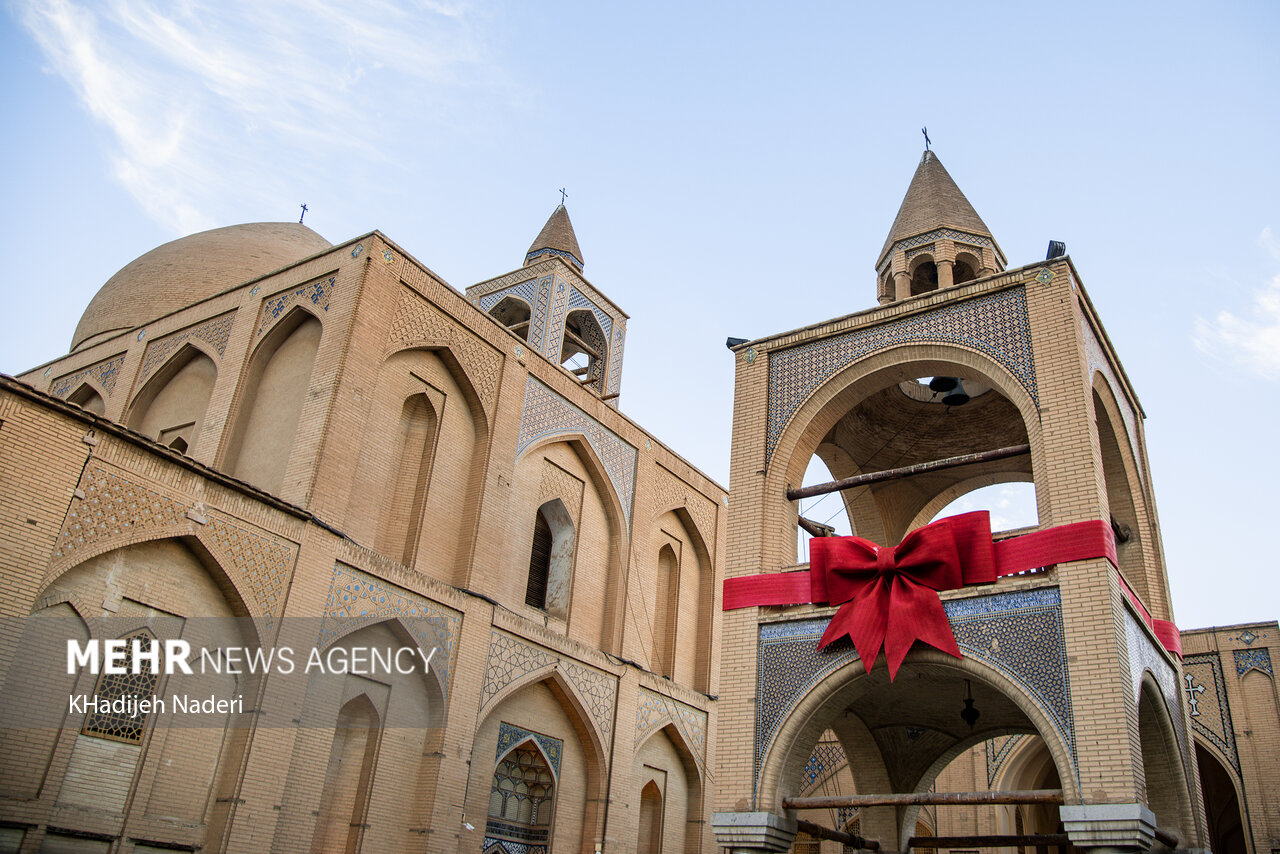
1252,659
654,710
213,332
511,659
577,299
317,293
827,758
993,324
943,234
1211,712
998,750
548,414
615,358
558,483
529,292
114,505
559,296
1098,361
671,492
264,563
1020,634
357,599
418,321
920,250
105,373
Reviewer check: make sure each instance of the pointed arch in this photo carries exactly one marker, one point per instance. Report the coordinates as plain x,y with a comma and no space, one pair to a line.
348,778
514,313
585,351
688,630
90,397
171,405
272,395
1168,792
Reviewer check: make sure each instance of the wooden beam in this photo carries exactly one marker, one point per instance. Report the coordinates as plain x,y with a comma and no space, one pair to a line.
906,471
816,529
1015,796
994,841
822,832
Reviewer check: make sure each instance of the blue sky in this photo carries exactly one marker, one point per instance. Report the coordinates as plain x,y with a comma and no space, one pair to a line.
732,169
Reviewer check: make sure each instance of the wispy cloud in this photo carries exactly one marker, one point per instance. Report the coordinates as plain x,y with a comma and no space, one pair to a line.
206,99
1252,342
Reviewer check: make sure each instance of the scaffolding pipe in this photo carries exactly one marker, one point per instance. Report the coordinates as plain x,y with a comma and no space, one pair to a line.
906,471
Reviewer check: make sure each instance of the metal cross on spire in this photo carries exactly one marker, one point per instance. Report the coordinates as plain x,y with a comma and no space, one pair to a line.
304,212
925,131
563,194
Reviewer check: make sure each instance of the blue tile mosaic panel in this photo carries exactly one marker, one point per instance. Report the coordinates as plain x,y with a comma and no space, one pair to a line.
318,293
357,599
1207,700
827,758
1253,659
615,358
510,736
559,295
1018,633
993,324
511,659
105,373
553,253
529,292
998,750
213,332
548,414
655,710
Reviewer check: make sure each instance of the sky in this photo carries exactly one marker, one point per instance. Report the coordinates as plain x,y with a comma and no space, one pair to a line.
732,169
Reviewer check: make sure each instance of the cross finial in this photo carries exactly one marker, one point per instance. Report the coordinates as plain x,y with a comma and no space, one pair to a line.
925,131
304,212
562,196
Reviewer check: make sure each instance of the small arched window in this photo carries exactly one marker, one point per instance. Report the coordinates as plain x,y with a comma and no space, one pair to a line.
585,348
924,275
124,725
513,313
551,560
522,798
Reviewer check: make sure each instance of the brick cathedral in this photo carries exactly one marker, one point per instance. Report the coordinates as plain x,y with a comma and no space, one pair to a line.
260,441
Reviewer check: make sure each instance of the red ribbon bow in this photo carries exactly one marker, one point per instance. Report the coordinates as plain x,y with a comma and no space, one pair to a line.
871,583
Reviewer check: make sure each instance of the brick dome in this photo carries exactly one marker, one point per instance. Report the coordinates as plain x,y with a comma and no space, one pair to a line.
189,269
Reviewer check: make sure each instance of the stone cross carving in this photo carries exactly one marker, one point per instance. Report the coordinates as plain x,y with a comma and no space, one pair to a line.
1192,699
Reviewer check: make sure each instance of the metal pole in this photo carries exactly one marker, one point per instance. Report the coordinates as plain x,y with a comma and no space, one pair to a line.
1018,796
906,471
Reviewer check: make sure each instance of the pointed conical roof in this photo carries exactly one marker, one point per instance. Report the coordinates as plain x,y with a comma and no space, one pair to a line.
557,235
933,200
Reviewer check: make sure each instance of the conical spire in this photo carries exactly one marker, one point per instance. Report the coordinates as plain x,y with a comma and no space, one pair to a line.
933,201
556,238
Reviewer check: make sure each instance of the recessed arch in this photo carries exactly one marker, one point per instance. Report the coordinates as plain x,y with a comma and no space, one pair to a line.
170,407
1228,830
89,397
513,312
585,351
1167,789
924,274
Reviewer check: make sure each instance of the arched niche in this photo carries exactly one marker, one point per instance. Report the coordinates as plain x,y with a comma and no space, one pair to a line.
550,581
272,395
568,468
966,267
585,350
664,762
170,408
877,721
88,398
924,274
1168,792
373,718
549,711
1228,833
513,313
673,603
420,466
865,421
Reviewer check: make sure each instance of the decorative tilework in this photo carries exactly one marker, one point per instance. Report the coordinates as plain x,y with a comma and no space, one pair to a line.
511,658
998,750
615,358
975,250
539,333
112,505
577,299
654,710
671,492
1018,633
919,250
213,332
357,599
548,414
1253,659
943,234
994,324
555,253
1098,361
417,321
318,293
526,290
558,483
105,372
596,340
827,758
559,294
264,562
1247,637
512,736
1213,721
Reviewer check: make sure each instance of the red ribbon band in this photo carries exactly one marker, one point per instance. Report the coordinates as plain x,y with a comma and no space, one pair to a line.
888,595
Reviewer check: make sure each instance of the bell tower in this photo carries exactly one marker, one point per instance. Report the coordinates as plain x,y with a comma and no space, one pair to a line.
561,316
1062,632
937,239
